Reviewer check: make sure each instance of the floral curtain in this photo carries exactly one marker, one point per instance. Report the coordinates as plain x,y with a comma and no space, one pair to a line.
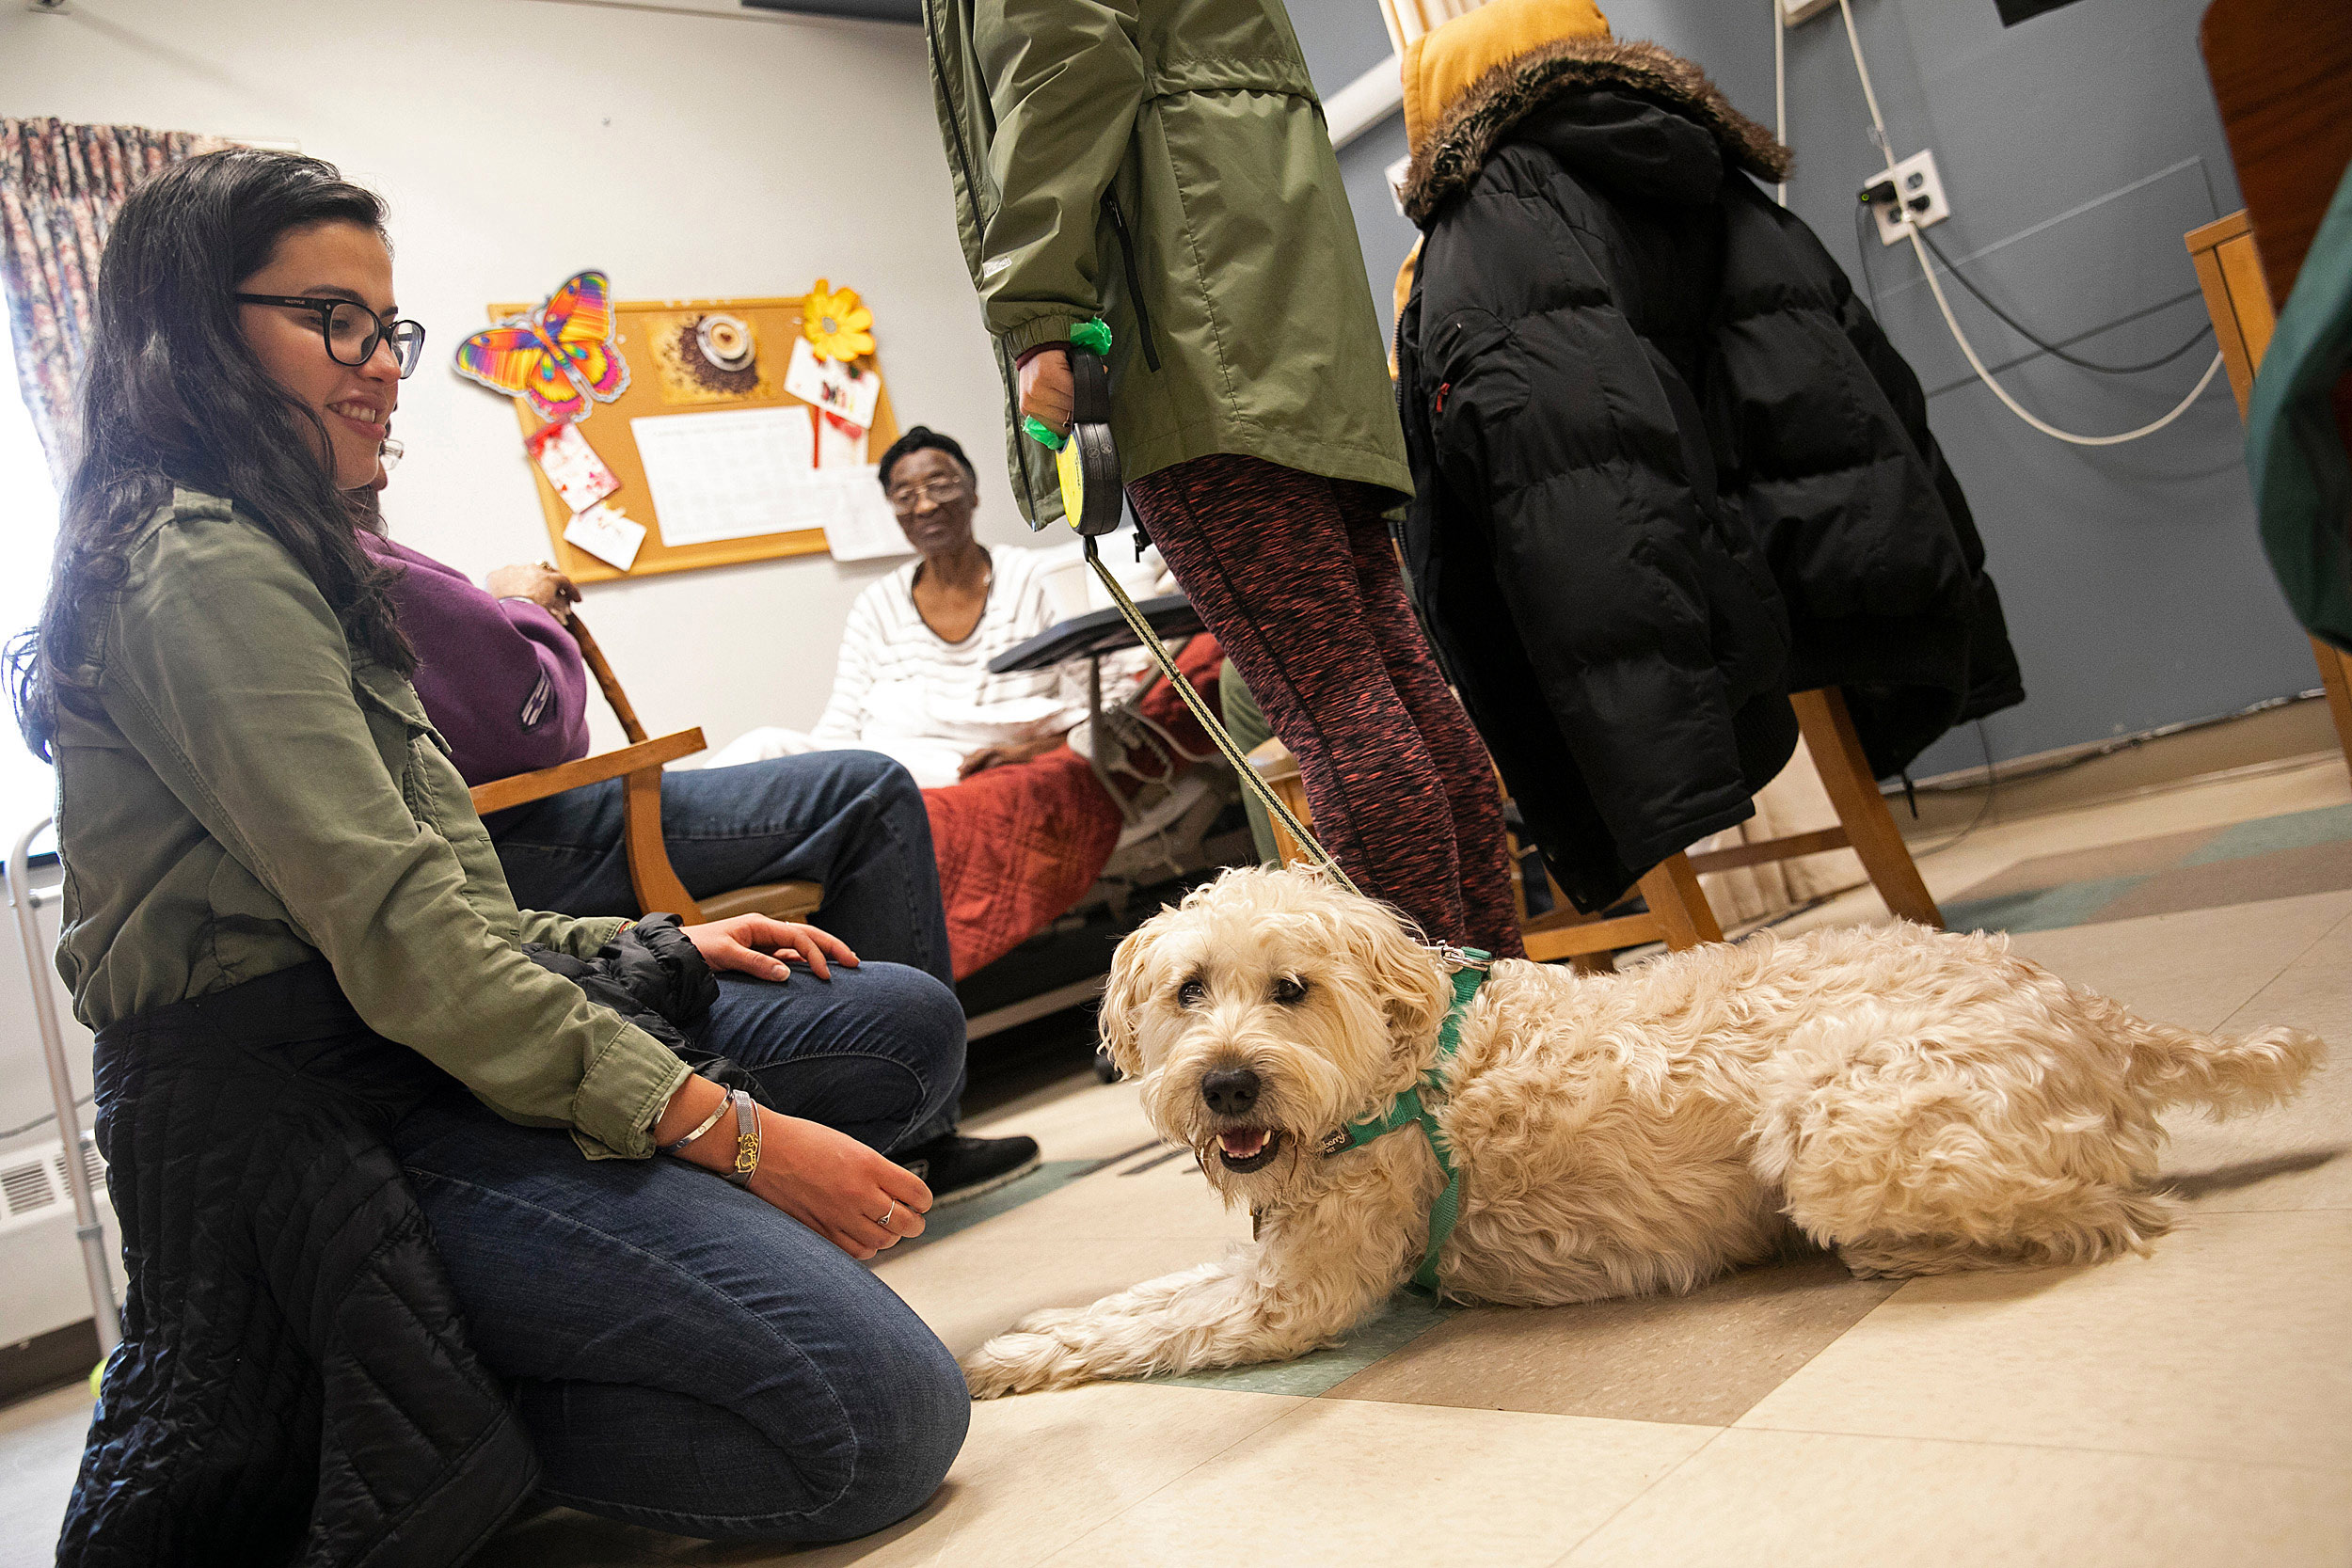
60,187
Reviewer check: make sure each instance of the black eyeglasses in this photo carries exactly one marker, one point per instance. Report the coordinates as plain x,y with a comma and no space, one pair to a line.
939,492
351,330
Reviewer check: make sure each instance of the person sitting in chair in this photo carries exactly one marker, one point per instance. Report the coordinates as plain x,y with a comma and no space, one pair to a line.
912,682
504,682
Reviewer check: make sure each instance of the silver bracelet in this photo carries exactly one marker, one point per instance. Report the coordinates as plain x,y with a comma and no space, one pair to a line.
725,1103
746,1139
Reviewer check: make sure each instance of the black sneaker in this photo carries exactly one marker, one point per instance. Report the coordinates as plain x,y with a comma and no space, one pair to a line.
956,1167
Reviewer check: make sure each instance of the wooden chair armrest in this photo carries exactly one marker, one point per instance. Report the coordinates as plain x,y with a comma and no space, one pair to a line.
792,901
523,789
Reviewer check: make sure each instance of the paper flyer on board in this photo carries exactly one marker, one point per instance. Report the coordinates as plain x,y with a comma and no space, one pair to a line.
833,386
865,528
737,474
571,465
608,535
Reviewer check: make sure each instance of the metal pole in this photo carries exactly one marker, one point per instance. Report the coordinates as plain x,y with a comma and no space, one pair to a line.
1099,737
87,1230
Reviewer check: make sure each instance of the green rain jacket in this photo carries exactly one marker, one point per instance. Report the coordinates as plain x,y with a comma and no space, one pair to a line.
2298,433
253,795
1164,164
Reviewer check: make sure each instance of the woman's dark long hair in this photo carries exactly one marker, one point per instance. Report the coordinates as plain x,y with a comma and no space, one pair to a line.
172,395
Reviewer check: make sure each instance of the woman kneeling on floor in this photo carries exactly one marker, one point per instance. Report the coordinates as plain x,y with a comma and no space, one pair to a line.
367,1153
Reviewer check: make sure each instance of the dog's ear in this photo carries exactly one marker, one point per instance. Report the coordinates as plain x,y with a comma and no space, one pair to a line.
1132,979
1410,982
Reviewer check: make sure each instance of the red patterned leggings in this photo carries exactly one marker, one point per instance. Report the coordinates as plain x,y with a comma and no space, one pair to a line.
1296,576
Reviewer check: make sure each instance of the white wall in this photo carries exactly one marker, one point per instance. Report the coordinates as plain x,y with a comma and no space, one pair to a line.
520,140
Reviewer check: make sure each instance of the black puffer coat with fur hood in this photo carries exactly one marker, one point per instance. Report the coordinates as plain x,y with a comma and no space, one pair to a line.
1669,468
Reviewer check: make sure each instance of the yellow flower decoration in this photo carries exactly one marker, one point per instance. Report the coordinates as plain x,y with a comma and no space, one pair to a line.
837,326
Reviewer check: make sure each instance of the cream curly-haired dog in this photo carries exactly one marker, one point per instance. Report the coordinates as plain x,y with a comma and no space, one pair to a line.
1920,1101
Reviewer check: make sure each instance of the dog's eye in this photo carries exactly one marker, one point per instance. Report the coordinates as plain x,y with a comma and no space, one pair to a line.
1191,994
1290,991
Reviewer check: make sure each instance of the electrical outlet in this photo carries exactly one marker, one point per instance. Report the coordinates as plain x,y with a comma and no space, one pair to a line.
1916,181
1794,11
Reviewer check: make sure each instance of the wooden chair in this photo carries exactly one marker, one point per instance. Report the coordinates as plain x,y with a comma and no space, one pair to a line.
1679,913
639,763
2281,73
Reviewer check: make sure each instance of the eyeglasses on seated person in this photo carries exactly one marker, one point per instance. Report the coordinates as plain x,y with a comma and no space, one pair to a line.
939,492
352,331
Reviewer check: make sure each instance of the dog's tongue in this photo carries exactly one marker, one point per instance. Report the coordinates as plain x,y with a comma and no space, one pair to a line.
1242,1146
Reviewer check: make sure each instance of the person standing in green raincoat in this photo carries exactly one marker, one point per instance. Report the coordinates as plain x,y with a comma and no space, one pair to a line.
1162,164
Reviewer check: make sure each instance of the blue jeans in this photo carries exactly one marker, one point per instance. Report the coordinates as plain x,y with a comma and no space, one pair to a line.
685,1356
853,822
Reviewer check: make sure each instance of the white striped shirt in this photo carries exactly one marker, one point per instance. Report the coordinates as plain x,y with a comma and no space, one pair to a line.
901,688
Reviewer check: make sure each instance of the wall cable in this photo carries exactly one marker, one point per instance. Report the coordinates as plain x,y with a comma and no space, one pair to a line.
1780,91
41,1120
1870,93
1961,782
2045,346
1984,809
2019,409
1862,254
1951,322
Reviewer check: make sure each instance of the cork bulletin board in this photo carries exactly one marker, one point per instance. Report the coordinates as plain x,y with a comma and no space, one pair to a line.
652,335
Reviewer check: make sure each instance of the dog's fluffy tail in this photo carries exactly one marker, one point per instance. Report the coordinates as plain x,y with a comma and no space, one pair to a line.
2227,1076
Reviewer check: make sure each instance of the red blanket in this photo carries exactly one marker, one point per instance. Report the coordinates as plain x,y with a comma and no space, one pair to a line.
1020,843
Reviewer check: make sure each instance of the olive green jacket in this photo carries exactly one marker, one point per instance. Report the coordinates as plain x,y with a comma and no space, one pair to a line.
1164,164
254,794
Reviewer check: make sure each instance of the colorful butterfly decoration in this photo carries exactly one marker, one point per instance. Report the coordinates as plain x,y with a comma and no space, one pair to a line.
557,356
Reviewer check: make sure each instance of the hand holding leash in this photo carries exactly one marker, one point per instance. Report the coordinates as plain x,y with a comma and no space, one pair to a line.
1046,396
1086,458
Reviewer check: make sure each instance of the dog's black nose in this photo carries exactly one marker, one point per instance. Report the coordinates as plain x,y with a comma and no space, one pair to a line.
1231,1091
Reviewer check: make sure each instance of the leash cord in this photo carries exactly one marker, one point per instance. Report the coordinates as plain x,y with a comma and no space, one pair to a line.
1227,747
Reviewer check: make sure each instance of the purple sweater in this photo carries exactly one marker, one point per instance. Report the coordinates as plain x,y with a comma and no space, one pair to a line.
500,678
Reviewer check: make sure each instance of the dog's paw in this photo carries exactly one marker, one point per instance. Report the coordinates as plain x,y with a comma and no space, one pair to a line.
1020,1363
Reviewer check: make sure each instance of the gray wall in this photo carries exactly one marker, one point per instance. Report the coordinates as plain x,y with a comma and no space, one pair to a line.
2076,149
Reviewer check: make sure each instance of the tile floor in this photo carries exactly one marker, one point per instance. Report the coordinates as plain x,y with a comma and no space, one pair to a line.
2192,1407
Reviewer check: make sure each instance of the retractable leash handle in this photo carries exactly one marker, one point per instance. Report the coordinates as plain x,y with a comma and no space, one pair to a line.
1087,460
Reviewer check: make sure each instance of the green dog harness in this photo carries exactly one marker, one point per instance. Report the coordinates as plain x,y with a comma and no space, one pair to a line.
1410,1109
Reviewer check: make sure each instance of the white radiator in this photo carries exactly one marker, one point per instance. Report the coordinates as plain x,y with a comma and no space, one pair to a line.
42,1285
32,1182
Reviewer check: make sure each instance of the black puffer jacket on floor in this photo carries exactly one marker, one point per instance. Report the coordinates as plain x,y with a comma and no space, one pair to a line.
295,1384
1669,468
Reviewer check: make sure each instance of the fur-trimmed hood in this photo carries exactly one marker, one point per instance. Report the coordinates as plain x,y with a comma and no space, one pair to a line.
1476,122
